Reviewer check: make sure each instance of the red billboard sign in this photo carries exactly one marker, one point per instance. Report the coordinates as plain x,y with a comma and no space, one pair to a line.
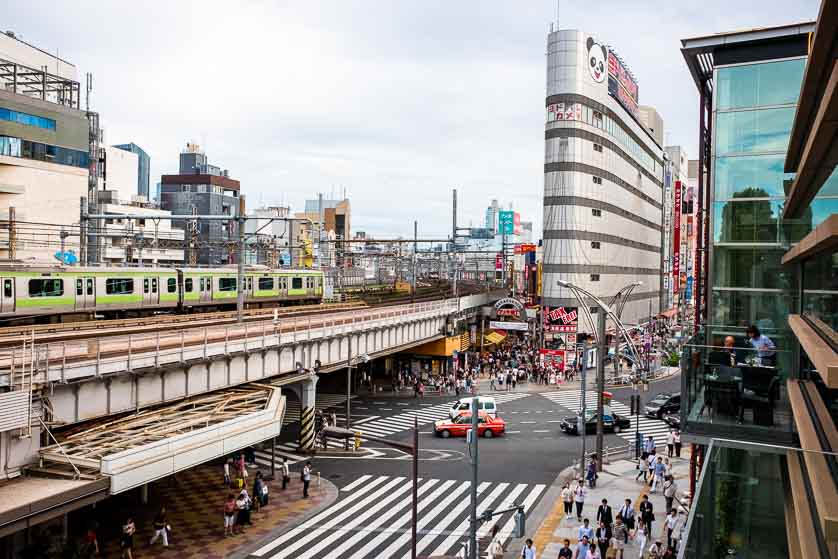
555,357
561,319
621,84
499,262
676,240
524,248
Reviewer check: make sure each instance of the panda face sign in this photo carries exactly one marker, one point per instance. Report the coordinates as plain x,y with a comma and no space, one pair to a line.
596,60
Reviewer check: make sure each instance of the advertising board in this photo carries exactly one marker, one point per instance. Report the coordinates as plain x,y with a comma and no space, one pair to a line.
621,84
676,239
506,222
517,326
554,357
561,319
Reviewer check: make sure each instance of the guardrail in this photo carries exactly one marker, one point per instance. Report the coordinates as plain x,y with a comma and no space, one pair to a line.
97,357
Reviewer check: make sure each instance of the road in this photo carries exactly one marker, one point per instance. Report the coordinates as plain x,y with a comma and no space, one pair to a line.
371,517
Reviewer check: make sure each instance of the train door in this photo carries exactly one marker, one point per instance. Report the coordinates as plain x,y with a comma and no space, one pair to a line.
205,285
7,297
148,294
155,291
85,294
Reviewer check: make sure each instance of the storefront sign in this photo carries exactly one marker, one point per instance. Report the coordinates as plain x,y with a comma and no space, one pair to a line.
499,262
554,357
517,326
561,319
509,302
676,239
509,312
524,248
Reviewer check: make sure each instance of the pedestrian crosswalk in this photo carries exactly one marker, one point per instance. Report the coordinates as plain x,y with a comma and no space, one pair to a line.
385,426
322,402
373,519
572,401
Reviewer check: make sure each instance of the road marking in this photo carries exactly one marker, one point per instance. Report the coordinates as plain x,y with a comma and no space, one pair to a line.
527,422
541,431
402,403
356,483
555,421
386,409
370,418
512,432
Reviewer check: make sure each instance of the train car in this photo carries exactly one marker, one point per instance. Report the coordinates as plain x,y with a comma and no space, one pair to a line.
39,291
217,287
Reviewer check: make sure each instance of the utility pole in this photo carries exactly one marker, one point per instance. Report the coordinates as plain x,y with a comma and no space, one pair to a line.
83,230
472,547
583,424
415,253
602,349
348,387
13,235
240,271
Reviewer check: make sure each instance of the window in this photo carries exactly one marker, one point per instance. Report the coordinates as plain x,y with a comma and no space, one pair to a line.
207,283
597,180
7,288
598,147
757,176
759,85
595,245
188,283
171,285
596,212
296,283
266,284
79,288
154,285
27,119
226,284
145,285
119,286
760,131
593,310
202,284
15,147
90,286
594,277
250,284
46,287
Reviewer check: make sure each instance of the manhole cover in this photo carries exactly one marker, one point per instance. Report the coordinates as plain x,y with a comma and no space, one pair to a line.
335,476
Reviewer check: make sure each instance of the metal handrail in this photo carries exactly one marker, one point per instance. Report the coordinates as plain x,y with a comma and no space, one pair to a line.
60,448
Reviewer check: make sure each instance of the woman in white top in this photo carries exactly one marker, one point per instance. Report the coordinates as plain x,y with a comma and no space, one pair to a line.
567,499
640,535
670,443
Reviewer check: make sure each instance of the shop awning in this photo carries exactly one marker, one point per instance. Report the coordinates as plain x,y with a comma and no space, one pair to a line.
669,313
494,337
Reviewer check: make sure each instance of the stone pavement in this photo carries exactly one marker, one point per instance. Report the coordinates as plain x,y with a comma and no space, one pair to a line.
194,501
616,483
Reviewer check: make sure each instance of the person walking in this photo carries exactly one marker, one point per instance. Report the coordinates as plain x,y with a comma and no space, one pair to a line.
496,546
591,473
603,538
677,442
285,472
306,477
647,514
565,552
670,443
627,514
620,535
670,491
567,499
657,551
604,513
161,527
643,467
649,447
579,498
126,539
669,523
260,491
243,504
529,551
640,535
659,472
230,515
585,531
227,479
583,547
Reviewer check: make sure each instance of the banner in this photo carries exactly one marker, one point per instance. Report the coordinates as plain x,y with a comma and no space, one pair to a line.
561,319
518,326
555,357
676,239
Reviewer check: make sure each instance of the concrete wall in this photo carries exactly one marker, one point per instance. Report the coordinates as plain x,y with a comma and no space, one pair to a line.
121,168
15,50
71,126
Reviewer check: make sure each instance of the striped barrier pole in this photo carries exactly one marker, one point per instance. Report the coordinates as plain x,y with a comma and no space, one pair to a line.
307,429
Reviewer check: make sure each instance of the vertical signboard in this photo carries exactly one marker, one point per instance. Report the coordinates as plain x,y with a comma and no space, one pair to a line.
621,84
506,222
676,240
499,261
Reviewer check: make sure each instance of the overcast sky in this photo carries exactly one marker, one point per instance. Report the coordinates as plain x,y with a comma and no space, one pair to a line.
397,102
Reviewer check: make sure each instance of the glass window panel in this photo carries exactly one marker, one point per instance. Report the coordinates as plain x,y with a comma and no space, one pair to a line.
760,131
746,266
820,288
759,85
758,176
768,310
793,230
745,222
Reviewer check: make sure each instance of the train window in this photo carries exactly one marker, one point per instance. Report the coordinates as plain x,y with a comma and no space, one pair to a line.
46,287
187,285
266,284
250,284
202,284
154,285
296,283
226,284
171,285
79,287
89,286
145,285
119,286
7,288
207,283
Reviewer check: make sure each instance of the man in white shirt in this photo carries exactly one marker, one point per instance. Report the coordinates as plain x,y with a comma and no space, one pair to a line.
529,551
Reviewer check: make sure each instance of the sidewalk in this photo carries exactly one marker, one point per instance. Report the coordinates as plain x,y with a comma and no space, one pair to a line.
616,483
194,502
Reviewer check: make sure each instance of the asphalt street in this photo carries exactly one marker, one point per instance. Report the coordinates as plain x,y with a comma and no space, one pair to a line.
375,485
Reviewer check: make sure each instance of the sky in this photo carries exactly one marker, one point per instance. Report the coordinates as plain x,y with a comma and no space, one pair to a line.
395,103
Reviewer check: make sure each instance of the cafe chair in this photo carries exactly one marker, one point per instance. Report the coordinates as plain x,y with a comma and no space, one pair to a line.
719,358
762,403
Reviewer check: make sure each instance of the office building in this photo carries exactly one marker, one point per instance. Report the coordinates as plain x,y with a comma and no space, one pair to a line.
603,180
269,236
651,121
764,428
203,189
143,169
44,147
119,174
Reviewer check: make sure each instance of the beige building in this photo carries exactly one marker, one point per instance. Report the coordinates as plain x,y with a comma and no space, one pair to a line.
44,147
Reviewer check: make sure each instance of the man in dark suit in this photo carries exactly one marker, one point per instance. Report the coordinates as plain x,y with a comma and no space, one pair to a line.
604,514
647,513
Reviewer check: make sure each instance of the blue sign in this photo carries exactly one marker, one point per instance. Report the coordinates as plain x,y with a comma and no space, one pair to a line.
506,222
689,293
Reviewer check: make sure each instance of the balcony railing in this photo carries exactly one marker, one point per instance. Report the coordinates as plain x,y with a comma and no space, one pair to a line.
732,392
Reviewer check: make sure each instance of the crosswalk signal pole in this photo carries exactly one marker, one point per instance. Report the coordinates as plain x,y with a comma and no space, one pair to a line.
414,509
472,548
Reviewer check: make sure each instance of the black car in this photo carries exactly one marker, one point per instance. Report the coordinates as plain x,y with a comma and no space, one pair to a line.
611,423
662,404
672,419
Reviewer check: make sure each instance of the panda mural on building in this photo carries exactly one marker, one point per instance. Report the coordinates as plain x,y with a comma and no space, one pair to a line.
597,57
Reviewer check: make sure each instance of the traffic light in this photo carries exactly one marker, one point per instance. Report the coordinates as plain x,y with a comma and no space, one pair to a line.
357,440
520,523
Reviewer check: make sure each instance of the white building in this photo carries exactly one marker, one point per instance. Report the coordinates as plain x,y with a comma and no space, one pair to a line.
121,170
603,180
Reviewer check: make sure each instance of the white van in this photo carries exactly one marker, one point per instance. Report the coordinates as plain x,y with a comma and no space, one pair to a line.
485,404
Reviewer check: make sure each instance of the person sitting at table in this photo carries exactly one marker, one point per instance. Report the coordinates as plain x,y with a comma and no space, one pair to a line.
731,350
766,350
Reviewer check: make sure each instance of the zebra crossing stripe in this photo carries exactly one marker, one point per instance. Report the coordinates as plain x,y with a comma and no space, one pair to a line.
311,522
453,513
360,481
528,503
458,532
402,521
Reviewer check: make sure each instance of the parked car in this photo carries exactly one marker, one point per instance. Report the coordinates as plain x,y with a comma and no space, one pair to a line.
485,404
672,419
663,403
488,426
612,423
